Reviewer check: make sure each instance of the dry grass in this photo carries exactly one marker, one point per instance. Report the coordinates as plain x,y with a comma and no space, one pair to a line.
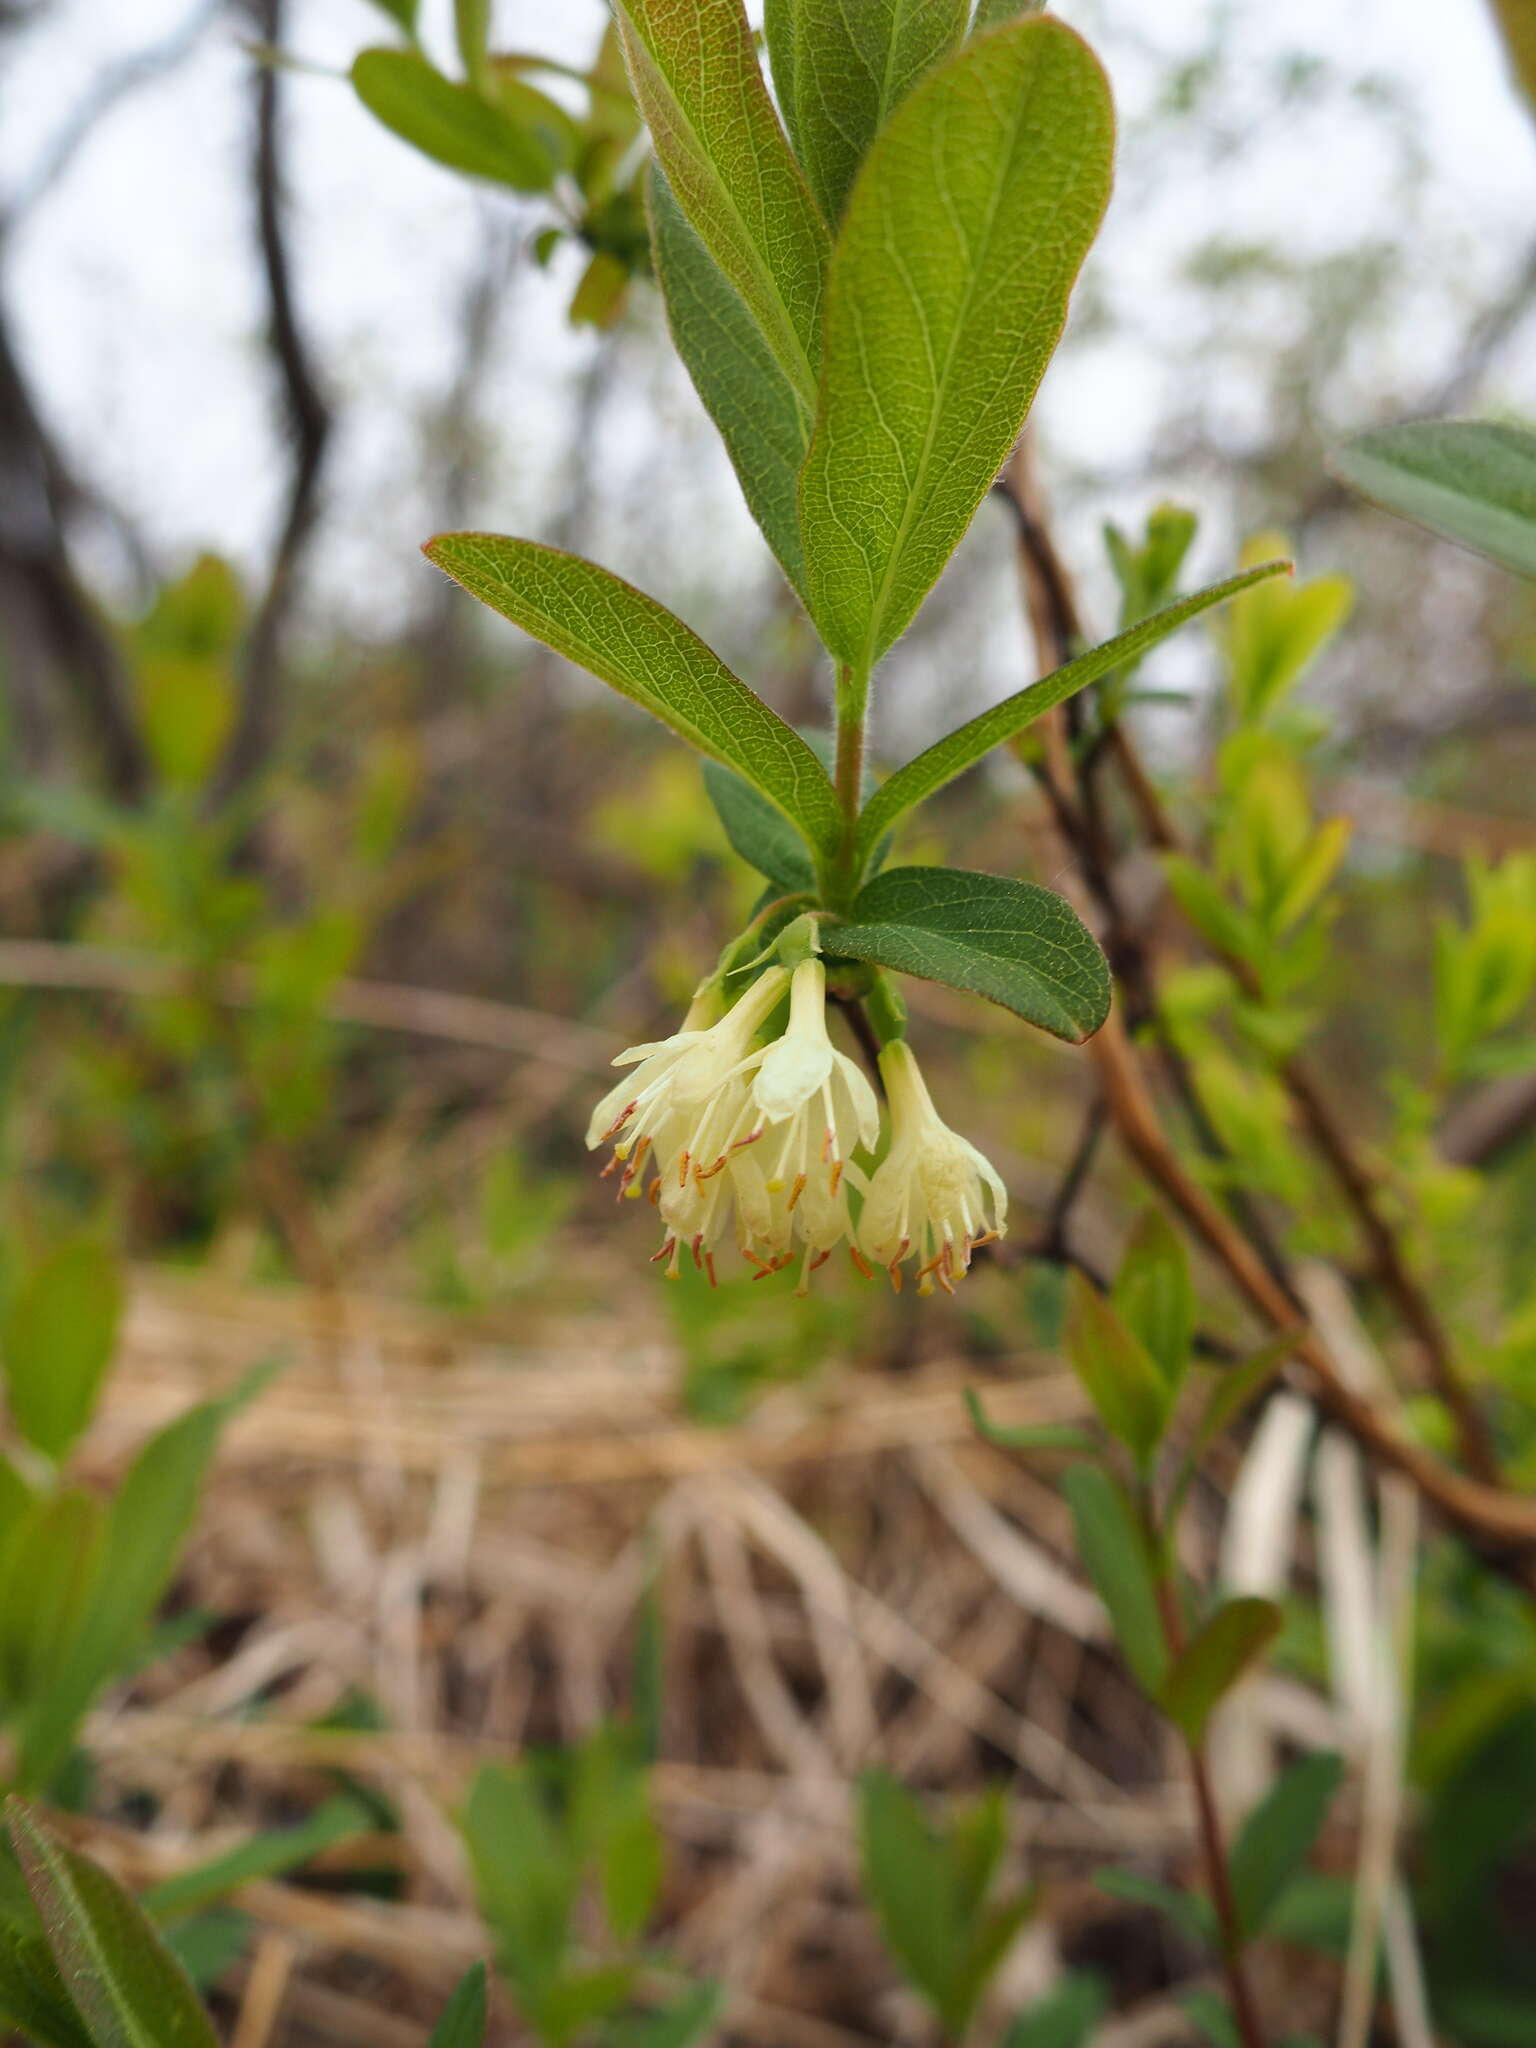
457,1521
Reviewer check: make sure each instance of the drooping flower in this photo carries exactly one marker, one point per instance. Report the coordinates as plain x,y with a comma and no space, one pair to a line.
655,1115
745,1138
815,1104
933,1196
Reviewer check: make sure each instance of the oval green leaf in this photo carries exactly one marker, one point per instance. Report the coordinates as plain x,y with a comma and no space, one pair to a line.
948,289
1472,481
647,654
129,1988
763,423
449,122
1012,942
840,72
463,2022
1214,1660
696,78
1115,1556
973,741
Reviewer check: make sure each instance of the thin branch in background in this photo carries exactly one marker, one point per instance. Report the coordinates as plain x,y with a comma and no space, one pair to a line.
1053,1242
306,414
55,640
1500,1523
114,84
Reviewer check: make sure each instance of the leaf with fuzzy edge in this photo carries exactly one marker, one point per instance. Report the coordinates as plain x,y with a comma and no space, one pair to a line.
696,79
948,289
129,1988
647,654
1472,481
1012,942
973,741
765,426
841,71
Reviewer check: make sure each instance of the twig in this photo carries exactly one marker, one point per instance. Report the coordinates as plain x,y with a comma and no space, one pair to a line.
1490,1514
383,1005
307,416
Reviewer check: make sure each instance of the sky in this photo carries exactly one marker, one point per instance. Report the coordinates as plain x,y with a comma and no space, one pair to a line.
139,310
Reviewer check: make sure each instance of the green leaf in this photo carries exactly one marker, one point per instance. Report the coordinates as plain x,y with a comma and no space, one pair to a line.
759,832
1219,922
643,651
1188,1911
449,122
1123,1381
1013,942
57,1342
678,2025
1115,1556
1043,1436
1065,2018
463,2022
526,1877
50,1572
764,425
947,292
905,1879
1277,1837
146,1525
271,1854
973,741
694,69
129,1988
1472,481
1213,2016
1213,1661
210,1943
841,71
1155,1297
1237,1386
33,2000
1273,632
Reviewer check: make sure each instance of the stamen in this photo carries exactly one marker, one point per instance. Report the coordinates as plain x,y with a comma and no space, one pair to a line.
861,1262
796,1192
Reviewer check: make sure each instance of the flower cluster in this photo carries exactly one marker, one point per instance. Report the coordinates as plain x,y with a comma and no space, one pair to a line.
728,1130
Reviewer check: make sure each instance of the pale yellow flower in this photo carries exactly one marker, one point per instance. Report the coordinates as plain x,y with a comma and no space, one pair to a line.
934,1196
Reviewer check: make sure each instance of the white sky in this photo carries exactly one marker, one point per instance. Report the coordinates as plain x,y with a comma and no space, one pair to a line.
138,307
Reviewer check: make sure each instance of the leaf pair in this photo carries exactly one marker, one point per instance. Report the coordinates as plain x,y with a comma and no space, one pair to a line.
933,1894
1186,1686
868,389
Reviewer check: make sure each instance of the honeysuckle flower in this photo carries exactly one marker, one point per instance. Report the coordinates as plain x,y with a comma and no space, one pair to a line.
815,1104
933,1195
733,1135
652,1114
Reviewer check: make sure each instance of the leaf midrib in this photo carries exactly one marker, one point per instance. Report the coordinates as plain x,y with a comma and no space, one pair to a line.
915,494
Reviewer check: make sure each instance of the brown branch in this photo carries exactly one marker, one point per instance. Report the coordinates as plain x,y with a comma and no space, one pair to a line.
306,416
1486,1513
1493,1518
